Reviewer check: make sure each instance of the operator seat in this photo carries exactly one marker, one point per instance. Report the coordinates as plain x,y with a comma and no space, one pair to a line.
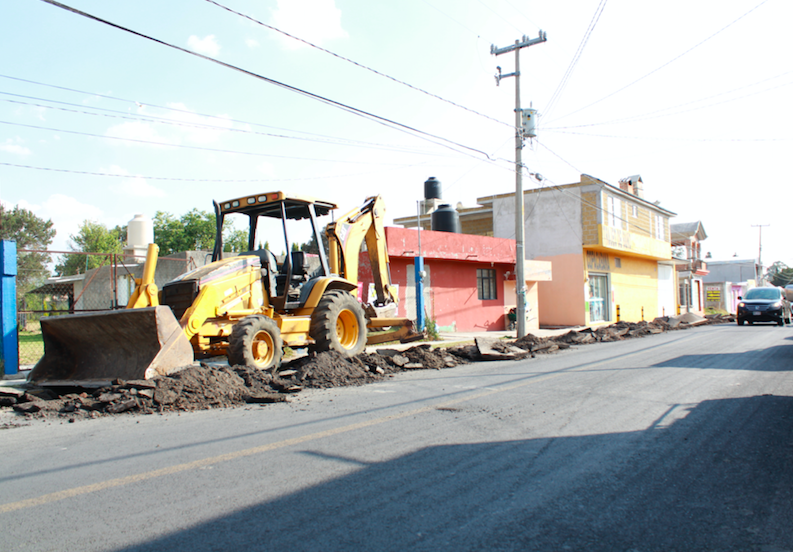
299,274
269,269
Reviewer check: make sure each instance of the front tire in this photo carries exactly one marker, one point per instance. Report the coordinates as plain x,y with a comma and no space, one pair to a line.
256,341
740,322
338,324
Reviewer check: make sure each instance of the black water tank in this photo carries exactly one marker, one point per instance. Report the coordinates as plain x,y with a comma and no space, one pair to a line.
432,188
446,219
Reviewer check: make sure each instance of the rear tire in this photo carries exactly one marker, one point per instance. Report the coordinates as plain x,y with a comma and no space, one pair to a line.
338,324
256,341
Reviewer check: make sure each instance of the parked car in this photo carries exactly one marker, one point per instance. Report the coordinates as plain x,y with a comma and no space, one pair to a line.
764,304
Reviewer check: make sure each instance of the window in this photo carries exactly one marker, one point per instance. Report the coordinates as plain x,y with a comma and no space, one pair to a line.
658,227
635,211
486,284
614,212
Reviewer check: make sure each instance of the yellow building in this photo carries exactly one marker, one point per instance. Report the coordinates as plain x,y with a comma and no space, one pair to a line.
609,249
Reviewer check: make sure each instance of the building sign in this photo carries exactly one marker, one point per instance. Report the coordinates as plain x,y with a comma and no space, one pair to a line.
595,260
617,239
713,294
621,240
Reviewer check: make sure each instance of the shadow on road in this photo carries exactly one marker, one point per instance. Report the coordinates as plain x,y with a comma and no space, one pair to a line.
772,359
719,478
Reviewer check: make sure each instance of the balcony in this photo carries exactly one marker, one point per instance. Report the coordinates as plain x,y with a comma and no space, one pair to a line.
616,240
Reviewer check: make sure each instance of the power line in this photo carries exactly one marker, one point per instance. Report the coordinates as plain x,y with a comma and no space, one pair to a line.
661,112
439,140
674,138
563,83
661,66
436,8
522,14
348,60
508,22
177,110
111,113
582,200
185,146
177,179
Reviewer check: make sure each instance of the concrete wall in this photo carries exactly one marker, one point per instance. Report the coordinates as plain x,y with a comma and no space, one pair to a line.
450,293
96,289
553,221
634,287
562,301
451,262
739,270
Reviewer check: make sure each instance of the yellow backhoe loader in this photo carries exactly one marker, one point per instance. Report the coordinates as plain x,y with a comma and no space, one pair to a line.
245,307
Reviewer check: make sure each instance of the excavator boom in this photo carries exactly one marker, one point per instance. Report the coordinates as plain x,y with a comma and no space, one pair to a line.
345,237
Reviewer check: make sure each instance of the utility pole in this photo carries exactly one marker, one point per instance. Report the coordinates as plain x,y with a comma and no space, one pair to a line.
759,274
520,134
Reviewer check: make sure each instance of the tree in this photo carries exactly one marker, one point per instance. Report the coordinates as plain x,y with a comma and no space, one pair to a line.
195,231
235,240
311,245
29,232
779,274
92,237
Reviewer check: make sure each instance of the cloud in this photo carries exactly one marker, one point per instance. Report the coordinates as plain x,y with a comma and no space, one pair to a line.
14,146
207,45
251,43
316,21
66,214
133,185
200,135
138,130
23,204
266,169
40,112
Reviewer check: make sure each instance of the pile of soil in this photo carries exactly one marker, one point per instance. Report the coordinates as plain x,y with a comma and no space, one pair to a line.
217,386
211,386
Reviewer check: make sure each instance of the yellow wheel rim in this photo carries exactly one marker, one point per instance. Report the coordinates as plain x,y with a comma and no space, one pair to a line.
263,348
347,329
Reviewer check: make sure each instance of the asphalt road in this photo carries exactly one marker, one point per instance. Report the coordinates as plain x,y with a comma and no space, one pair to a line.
679,441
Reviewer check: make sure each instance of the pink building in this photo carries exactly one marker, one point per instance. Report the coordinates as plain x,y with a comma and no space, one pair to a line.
470,282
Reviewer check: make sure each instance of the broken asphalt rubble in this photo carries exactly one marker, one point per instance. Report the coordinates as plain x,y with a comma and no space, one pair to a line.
205,386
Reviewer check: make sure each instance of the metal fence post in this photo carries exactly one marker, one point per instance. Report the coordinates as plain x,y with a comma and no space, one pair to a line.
9,345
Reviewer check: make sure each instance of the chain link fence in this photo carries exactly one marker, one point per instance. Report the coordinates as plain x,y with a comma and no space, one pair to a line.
105,288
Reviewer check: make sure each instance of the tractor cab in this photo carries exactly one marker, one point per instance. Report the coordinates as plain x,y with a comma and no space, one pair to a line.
284,282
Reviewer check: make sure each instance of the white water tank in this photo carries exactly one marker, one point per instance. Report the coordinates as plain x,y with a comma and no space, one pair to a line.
140,232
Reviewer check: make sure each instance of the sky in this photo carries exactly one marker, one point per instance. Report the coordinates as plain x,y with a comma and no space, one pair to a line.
364,98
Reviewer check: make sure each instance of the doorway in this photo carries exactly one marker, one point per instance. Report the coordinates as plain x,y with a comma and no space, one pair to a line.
598,298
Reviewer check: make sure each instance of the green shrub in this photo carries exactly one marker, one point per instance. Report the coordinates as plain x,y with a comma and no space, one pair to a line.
431,327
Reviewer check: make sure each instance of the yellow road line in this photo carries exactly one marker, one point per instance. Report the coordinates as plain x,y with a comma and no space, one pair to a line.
121,481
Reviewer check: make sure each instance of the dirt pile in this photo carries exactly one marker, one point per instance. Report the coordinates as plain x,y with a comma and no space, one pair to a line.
617,332
216,386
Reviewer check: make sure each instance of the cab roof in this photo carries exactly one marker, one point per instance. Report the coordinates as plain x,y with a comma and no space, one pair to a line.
269,205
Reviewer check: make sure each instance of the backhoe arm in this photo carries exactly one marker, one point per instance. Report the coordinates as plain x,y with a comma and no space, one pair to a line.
146,292
345,237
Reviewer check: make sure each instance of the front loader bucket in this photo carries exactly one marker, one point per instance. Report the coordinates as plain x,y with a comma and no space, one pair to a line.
91,350
383,330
